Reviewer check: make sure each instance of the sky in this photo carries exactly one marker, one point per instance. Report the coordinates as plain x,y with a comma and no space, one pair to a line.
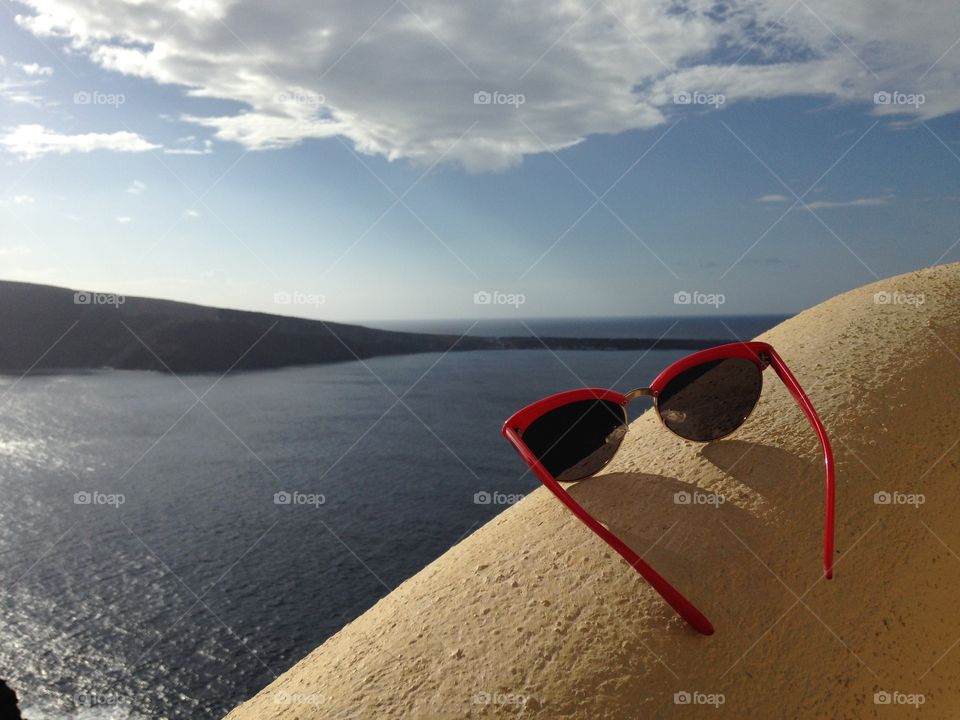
401,159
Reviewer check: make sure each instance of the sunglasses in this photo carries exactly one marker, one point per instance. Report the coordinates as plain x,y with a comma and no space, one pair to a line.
702,397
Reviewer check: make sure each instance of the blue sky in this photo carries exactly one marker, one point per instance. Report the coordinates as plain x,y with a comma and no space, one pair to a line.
245,154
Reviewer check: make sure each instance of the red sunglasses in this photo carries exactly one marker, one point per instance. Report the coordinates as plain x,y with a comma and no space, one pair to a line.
702,397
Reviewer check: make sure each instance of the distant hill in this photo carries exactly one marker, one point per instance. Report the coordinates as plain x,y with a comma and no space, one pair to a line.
51,328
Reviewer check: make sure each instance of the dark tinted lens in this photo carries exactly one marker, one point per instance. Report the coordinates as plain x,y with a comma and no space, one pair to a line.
577,440
711,400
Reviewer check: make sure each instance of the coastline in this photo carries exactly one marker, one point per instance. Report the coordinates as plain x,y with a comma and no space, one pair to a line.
49,330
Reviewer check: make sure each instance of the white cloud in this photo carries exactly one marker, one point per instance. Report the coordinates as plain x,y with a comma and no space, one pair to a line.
30,141
35,69
856,202
18,90
398,79
192,213
123,219
876,201
19,93
205,149
137,187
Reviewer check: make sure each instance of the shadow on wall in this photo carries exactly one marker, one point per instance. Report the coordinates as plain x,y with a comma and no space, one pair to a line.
668,522
691,530
750,463
712,545
642,508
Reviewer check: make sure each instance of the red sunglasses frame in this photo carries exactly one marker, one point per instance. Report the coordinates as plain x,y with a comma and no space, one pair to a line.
763,355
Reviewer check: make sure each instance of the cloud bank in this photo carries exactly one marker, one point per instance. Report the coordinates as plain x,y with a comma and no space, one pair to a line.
407,78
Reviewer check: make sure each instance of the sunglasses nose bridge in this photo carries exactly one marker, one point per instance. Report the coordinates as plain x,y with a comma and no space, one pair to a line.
639,392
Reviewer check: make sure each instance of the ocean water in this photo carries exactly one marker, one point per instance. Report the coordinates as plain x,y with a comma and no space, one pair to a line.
150,568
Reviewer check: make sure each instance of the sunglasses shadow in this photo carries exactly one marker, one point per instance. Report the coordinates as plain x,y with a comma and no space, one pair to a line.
673,525
789,489
778,476
691,534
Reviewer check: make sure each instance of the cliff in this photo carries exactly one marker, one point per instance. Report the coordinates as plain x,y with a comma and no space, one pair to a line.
52,328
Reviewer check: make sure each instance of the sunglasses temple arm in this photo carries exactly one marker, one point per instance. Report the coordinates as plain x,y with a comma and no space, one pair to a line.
783,372
687,610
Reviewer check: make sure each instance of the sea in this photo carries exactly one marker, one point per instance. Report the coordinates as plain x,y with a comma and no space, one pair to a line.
170,545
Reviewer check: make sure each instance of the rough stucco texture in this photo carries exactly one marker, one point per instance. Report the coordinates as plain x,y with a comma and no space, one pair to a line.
534,616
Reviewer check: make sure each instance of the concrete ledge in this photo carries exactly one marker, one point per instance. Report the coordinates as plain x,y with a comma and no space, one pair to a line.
534,616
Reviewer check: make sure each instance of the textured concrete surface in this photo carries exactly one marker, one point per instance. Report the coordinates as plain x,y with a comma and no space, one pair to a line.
533,616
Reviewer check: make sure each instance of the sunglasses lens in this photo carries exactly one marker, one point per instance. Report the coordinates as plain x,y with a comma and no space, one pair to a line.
575,441
711,400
